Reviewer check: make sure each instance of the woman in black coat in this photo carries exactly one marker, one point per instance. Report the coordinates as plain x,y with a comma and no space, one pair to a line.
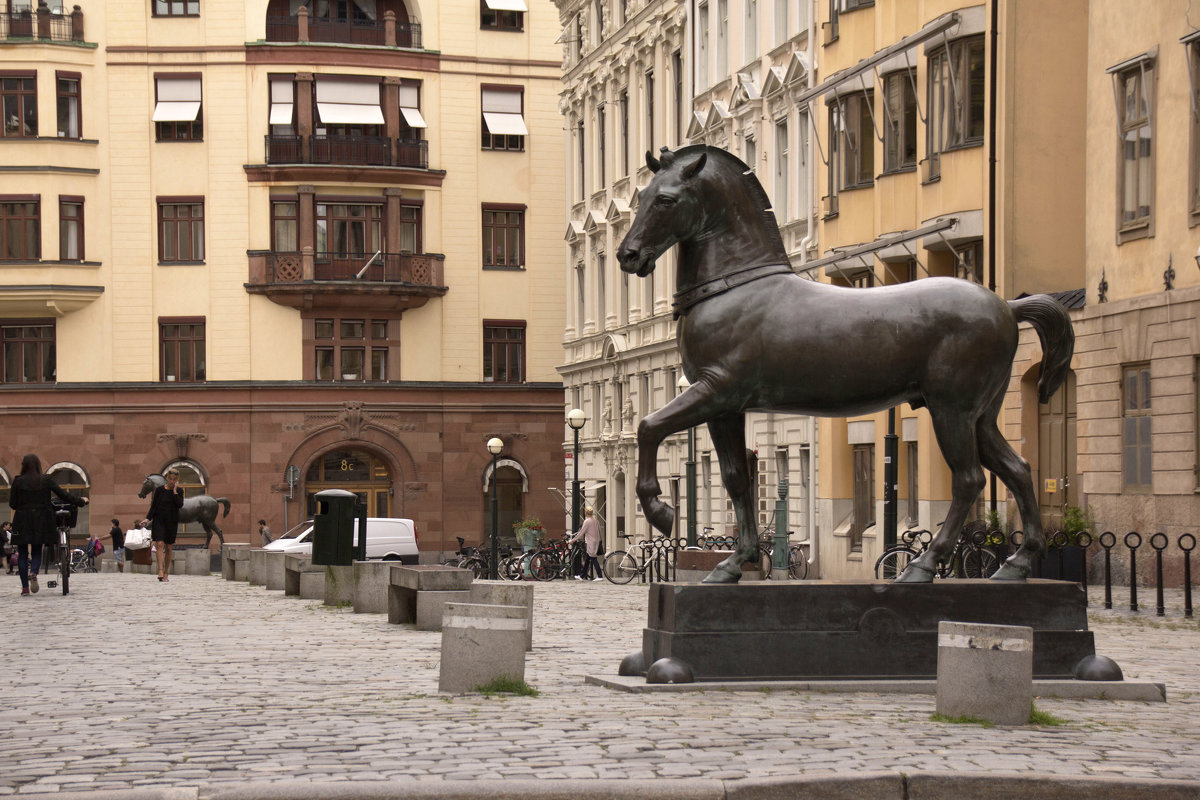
163,519
34,524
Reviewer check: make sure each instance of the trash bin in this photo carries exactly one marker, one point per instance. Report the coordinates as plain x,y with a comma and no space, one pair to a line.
333,528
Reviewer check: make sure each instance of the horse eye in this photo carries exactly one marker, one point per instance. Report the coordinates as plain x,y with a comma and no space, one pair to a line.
665,201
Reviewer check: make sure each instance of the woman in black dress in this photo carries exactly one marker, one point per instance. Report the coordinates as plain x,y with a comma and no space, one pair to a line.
163,519
34,524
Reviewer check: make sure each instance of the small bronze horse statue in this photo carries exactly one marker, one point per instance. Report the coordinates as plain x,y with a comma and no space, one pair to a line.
753,335
202,509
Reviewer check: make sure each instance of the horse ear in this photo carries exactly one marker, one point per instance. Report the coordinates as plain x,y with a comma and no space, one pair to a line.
692,169
652,162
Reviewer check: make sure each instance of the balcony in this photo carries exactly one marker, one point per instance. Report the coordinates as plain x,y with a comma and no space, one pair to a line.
330,280
378,151
42,25
386,32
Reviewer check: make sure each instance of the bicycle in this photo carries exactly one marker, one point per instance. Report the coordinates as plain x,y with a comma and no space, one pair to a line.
972,556
558,559
894,560
621,566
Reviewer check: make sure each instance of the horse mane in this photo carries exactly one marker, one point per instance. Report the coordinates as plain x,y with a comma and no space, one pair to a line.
730,164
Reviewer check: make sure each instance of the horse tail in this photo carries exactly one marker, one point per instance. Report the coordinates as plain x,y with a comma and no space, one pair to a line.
1053,326
225,502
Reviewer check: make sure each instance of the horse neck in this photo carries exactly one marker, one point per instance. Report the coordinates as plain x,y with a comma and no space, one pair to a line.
724,247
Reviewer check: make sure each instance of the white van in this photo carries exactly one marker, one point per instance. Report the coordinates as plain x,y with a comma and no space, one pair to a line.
388,539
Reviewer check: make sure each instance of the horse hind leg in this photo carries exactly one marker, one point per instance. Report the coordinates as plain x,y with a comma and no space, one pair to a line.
1014,472
729,439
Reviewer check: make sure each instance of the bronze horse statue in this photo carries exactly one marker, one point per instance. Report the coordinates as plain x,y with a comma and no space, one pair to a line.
754,335
202,509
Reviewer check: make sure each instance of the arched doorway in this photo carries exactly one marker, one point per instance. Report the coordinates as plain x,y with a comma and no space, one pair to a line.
357,471
510,501
72,478
1057,481
194,484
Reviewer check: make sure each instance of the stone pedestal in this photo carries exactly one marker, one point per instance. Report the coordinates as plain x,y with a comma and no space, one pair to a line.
196,561
235,562
295,566
372,580
506,593
258,566
985,672
480,644
312,585
816,630
339,585
418,594
274,570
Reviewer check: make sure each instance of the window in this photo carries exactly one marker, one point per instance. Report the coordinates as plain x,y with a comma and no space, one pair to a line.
781,21
956,94
750,32
503,352
581,151
723,38
503,118
649,109
968,261
177,108
780,200
503,236
702,45
751,154
837,7
677,74
900,122
912,515
351,349
284,233
180,230
1135,173
67,84
411,215
1193,57
864,493
580,297
28,351
181,357
20,228
601,153
502,15
176,8
601,293
70,228
851,142
1136,444
18,99
349,230
623,105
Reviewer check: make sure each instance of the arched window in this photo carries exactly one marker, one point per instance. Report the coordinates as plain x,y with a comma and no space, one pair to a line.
358,471
5,486
194,483
73,478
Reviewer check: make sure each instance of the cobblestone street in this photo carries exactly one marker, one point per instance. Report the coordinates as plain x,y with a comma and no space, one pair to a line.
127,682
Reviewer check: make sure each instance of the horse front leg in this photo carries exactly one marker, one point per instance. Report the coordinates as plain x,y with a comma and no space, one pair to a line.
729,439
685,411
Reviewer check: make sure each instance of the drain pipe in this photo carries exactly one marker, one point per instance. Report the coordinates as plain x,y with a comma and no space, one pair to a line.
992,149
809,240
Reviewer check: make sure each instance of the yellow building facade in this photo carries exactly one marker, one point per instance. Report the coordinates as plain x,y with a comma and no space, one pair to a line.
252,236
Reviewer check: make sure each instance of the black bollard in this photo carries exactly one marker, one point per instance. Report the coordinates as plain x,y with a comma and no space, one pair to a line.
1187,543
1159,542
1133,540
1083,541
1108,541
1060,541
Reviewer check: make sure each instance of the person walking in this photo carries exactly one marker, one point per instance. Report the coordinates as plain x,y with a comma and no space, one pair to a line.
163,520
33,517
118,545
589,532
265,532
10,549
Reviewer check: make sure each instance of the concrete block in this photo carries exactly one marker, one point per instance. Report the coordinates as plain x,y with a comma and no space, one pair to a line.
985,672
274,570
312,585
431,608
339,585
231,554
294,564
178,564
431,577
506,593
481,643
197,561
408,582
109,566
258,566
372,583
143,569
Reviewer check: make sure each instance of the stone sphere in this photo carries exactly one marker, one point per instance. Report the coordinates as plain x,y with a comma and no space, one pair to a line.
1098,668
670,670
633,664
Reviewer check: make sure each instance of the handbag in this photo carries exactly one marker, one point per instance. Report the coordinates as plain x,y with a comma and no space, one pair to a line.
137,539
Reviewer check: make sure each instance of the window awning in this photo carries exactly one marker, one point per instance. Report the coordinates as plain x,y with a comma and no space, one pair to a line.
505,124
850,255
178,99
506,5
281,101
410,106
348,102
413,117
281,113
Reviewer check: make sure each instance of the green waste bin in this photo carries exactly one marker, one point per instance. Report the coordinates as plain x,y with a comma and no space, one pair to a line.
334,527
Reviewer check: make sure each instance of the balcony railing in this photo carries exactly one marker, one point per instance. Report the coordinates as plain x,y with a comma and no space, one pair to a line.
42,24
421,269
350,150
384,32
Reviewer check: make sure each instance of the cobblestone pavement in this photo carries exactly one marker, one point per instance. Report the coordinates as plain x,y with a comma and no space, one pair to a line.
128,682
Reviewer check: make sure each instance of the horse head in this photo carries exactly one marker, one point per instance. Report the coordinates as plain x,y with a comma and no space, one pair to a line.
150,483
670,209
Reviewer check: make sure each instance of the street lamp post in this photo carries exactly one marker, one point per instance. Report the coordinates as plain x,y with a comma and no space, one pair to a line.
575,418
494,446
690,467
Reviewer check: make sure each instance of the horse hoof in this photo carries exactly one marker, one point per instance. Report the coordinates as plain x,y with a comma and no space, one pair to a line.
915,573
723,574
1008,572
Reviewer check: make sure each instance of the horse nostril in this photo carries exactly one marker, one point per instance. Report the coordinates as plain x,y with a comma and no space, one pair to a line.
626,254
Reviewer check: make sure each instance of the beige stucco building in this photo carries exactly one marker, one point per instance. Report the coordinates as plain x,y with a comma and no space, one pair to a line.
243,237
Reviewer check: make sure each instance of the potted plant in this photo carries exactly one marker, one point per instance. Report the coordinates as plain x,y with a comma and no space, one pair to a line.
529,531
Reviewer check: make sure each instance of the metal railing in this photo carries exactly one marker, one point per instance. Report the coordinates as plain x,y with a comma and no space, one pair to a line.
352,150
421,269
41,25
344,31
